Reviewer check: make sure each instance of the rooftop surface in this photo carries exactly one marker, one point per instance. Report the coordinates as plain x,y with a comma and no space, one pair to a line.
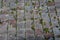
29,19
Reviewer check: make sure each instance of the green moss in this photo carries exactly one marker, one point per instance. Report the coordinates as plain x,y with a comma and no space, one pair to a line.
50,1
42,5
0,22
24,38
35,18
49,14
58,21
41,21
24,19
40,13
50,23
13,9
16,1
32,18
27,4
54,17
33,27
46,30
12,12
44,23
33,3
59,28
0,12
